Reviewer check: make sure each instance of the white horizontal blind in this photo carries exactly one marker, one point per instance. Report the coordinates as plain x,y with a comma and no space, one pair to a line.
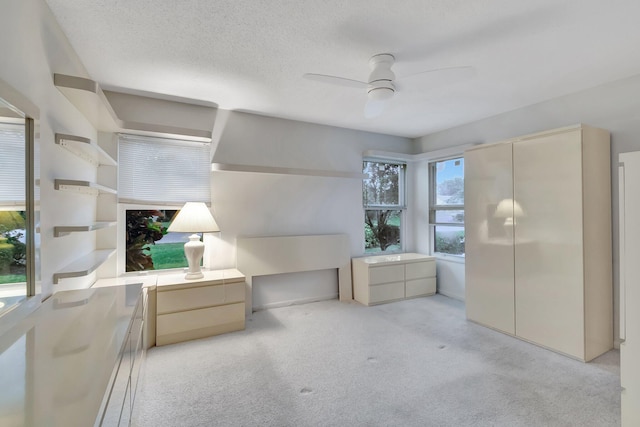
12,165
163,171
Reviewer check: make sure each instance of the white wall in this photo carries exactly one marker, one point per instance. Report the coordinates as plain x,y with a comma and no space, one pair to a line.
33,48
614,106
258,204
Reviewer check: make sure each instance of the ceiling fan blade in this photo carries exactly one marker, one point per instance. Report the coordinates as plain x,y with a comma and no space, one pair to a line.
374,108
444,76
341,81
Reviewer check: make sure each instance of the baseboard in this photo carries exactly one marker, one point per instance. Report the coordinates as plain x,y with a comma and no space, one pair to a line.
294,302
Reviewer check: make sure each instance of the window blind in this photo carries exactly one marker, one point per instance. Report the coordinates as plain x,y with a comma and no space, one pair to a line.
12,165
163,171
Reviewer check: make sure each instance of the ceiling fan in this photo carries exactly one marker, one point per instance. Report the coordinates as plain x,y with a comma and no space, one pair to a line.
381,85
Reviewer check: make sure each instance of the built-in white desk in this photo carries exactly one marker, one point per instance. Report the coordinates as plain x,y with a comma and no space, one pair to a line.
64,363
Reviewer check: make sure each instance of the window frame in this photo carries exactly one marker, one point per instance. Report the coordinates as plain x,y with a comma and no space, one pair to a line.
25,125
434,207
126,203
401,206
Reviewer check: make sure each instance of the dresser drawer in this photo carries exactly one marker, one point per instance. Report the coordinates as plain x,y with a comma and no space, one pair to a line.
386,292
187,325
418,270
420,287
386,274
199,297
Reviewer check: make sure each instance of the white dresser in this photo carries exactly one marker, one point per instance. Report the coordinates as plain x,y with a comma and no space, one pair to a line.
191,309
384,278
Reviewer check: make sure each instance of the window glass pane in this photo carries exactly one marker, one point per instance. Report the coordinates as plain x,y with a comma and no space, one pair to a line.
148,244
449,180
450,216
382,230
449,239
382,187
13,216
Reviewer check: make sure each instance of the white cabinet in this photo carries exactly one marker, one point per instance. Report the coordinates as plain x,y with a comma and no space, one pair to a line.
538,233
629,199
77,358
384,278
191,309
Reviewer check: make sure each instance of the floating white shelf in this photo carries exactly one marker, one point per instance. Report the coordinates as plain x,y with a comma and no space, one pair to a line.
85,149
63,230
285,171
83,187
89,99
85,265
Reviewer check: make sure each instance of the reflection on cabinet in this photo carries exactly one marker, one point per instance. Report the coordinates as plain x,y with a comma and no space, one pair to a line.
385,278
629,186
538,233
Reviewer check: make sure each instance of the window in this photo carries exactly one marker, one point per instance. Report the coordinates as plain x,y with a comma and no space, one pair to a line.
156,176
446,207
383,197
148,244
13,219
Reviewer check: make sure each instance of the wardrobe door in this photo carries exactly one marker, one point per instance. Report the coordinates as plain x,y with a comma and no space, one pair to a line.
630,287
549,297
488,189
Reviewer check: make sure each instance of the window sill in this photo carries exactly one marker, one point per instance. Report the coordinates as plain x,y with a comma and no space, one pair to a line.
459,259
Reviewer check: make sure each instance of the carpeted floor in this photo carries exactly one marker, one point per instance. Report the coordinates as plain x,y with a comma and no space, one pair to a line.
410,363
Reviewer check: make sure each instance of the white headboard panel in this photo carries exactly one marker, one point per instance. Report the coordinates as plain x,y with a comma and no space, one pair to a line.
261,256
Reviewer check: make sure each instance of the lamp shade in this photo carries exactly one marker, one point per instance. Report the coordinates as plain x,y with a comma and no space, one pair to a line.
194,217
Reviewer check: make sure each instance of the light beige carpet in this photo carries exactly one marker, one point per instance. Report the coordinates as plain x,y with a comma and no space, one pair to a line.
410,363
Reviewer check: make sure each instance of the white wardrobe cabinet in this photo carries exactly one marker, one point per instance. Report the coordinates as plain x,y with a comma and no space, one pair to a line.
538,239
629,199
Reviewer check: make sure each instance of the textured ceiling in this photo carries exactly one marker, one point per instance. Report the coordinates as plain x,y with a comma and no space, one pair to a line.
250,55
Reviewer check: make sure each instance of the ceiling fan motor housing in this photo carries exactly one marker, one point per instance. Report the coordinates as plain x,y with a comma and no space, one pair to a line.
380,86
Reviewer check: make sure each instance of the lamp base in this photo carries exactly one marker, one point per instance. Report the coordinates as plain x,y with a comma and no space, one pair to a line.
193,251
191,276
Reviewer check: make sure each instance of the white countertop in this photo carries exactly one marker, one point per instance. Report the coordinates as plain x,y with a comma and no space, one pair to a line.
211,277
390,259
55,365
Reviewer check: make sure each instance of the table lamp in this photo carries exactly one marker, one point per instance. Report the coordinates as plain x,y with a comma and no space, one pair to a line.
194,217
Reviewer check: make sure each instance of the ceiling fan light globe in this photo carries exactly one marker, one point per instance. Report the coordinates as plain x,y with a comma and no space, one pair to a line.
380,93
